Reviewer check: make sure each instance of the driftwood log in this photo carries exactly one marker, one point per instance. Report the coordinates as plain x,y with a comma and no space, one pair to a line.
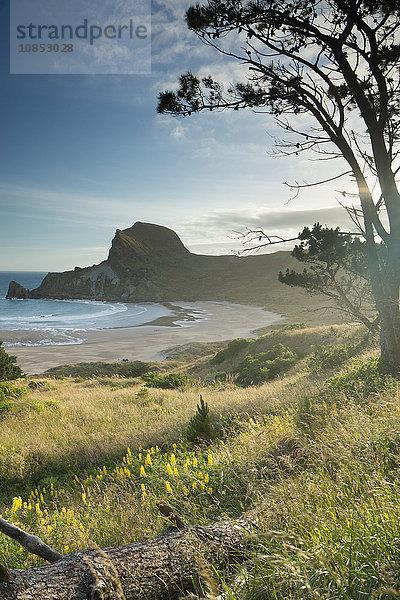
162,568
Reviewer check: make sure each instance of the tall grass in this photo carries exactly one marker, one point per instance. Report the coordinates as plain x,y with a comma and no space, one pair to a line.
315,457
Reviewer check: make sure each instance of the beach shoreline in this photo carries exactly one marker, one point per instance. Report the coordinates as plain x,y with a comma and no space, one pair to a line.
217,321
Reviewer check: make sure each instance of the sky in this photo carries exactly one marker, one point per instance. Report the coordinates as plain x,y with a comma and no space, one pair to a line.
83,155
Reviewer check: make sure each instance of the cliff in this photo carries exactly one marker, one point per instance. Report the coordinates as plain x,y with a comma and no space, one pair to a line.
150,263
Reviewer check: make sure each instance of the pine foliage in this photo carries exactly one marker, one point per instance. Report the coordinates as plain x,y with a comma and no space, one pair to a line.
8,368
200,428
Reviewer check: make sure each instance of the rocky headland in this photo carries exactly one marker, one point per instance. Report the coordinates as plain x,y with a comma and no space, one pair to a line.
148,262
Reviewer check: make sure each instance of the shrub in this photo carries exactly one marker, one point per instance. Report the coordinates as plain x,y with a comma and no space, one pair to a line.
88,370
232,349
9,392
291,326
167,382
327,357
8,369
360,380
41,386
256,369
200,428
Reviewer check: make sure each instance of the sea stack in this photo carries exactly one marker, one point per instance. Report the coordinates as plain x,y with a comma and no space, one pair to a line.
15,290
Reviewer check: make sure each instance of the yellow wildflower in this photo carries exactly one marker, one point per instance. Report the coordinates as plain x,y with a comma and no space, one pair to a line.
142,471
168,486
17,504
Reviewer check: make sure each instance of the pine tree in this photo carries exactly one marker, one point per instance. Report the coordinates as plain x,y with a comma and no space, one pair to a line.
8,368
200,428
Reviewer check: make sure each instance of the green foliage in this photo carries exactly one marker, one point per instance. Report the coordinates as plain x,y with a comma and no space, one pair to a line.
171,381
126,369
327,357
8,393
231,351
8,369
40,386
337,269
200,428
256,369
360,380
293,326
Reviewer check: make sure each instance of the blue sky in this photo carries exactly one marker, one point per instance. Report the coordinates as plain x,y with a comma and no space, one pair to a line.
83,155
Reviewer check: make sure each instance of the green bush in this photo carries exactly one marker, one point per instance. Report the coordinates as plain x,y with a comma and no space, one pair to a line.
327,357
8,390
88,370
257,369
360,380
8,393
232,349
8,369
291,326
167,382
200,428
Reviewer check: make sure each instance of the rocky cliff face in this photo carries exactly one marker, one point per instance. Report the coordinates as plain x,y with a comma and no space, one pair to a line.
150,263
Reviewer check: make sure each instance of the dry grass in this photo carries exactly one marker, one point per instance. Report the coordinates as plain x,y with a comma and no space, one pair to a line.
327,496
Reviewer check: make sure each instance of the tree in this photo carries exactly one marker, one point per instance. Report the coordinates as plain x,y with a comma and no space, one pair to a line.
327,70
200,428
8,368
337,269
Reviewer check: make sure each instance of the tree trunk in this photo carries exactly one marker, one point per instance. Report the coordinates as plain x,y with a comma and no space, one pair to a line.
162,568
389,312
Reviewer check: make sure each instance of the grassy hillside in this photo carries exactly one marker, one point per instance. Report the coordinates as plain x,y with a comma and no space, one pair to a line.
313,451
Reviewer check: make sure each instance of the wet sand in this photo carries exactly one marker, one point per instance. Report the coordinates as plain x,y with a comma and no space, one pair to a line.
218,321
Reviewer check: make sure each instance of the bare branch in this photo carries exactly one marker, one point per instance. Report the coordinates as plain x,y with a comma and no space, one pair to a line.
32,543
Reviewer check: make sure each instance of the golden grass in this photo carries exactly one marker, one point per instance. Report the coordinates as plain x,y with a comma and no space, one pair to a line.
330,494
78,423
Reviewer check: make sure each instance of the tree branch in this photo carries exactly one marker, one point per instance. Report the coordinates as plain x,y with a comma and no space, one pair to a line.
32,543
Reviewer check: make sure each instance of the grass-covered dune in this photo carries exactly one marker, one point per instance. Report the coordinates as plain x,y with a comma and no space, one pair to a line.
310,445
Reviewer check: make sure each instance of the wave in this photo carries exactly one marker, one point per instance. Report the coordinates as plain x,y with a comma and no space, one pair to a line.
65,313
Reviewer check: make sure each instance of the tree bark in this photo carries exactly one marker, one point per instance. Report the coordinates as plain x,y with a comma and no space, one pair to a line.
162,568
390,316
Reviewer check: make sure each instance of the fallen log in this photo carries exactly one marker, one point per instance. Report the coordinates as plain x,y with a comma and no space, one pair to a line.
162,568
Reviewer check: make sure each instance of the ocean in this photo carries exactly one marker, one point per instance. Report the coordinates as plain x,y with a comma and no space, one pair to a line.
61,322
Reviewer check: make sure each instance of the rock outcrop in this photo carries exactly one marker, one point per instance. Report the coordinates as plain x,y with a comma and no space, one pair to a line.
15,290
150,263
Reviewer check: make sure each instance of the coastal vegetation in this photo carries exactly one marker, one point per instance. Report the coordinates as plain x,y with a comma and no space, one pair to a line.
313,455
8,367
327,74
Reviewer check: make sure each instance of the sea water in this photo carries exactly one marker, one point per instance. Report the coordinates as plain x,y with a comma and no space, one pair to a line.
48,322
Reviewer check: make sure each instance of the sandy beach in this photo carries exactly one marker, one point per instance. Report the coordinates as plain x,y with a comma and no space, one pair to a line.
219,321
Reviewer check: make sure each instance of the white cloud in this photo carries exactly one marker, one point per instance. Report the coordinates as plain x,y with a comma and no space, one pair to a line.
179,132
